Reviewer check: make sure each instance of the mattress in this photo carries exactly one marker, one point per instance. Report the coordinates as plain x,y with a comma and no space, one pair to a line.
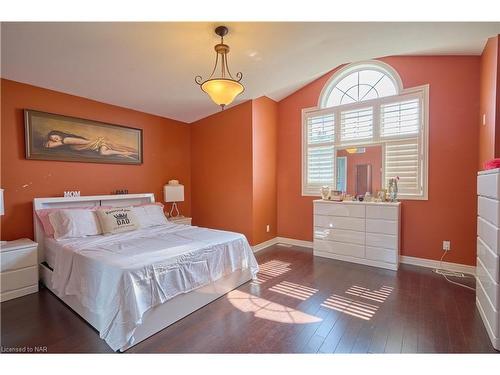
119,277
50,249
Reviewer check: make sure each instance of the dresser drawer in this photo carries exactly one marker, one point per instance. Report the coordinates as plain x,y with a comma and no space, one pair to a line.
19,278
382,226
339,209
341,235
488,185
490,260
492,315
385,241
489,209
491,288
339,222
382,212
380,254
489,234
16,259
340,248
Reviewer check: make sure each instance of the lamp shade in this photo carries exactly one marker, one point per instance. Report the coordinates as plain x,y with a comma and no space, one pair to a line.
173,193
222,91
1,202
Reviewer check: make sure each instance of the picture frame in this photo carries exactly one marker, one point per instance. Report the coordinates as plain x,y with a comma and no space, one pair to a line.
50,136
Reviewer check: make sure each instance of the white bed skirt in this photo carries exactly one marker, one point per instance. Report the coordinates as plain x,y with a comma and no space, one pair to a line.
161,316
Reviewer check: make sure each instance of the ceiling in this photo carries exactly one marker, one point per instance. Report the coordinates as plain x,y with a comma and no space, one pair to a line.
151,67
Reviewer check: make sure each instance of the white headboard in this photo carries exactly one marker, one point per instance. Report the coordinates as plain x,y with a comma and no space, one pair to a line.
118,200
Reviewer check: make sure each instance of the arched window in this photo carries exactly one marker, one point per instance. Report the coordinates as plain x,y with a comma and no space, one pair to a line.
360,82
365,104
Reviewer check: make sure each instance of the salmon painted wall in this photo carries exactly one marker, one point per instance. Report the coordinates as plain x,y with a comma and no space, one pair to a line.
264,145
489,100
166,156
450,212
372,156
221,170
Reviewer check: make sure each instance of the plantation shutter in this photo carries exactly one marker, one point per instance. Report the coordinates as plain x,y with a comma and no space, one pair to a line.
319,151
400,119
403,159
356,124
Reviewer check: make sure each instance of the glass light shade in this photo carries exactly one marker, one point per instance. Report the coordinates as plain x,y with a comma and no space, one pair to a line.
222,91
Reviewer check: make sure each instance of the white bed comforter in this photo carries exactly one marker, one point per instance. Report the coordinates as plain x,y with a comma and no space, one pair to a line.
120,277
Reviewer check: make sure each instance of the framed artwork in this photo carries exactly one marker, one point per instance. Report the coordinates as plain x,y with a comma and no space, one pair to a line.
55,137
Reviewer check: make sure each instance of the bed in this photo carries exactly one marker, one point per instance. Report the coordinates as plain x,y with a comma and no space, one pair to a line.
129,286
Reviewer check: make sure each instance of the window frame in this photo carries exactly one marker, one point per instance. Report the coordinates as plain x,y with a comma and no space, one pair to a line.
420,92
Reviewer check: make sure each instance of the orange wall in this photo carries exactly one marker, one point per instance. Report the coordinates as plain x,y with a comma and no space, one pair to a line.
264,144
166,156
450,212
489,100
221,170
373,156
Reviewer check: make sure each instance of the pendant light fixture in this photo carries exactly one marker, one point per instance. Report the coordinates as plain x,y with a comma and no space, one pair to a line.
223,89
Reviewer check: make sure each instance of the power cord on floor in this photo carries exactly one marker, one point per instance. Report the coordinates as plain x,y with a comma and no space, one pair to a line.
446,273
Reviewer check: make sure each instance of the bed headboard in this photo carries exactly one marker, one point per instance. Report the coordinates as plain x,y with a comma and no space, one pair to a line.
118,200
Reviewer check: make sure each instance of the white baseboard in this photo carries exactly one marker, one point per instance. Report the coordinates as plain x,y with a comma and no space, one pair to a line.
428,263
292,241
282,240
263,245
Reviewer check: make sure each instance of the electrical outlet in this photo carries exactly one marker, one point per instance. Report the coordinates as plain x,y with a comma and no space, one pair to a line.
268,228
446,245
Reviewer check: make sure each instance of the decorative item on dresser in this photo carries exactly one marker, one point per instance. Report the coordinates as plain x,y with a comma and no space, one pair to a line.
173,192
180,220
19,268
488,252
359,232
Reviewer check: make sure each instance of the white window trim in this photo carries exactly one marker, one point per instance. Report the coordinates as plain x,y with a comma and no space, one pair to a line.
422,92
380,66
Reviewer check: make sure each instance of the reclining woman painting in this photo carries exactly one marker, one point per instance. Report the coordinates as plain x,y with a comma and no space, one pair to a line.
55,137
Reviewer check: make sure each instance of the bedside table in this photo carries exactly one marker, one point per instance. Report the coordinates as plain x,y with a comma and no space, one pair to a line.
180,220
19,268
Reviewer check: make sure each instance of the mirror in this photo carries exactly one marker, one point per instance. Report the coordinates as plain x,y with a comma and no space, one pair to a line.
359,170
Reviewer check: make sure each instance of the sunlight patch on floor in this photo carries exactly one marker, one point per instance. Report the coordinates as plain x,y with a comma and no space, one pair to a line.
293,290
379,295
265,309
271,269
348,306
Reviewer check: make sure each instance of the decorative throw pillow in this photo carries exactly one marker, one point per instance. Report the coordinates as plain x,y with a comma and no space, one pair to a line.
150,215
117,220
69,223
43,216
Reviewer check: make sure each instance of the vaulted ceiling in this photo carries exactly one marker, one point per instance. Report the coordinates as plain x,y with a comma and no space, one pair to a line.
151,67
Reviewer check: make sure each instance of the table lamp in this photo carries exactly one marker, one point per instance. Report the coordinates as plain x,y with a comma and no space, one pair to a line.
173,192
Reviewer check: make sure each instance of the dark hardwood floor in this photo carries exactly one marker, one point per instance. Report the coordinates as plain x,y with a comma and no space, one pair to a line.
299,304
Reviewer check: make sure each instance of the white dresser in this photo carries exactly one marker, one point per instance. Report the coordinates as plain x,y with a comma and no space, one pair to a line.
359,232
488,245
19,268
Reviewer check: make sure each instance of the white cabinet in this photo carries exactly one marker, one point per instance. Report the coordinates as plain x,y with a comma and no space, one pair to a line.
488,253
360,232
19,269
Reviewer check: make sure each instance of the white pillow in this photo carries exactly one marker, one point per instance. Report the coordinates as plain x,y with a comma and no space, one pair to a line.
117,220
74,223
150,215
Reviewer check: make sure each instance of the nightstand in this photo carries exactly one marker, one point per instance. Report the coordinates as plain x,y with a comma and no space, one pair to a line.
19,268
180,220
